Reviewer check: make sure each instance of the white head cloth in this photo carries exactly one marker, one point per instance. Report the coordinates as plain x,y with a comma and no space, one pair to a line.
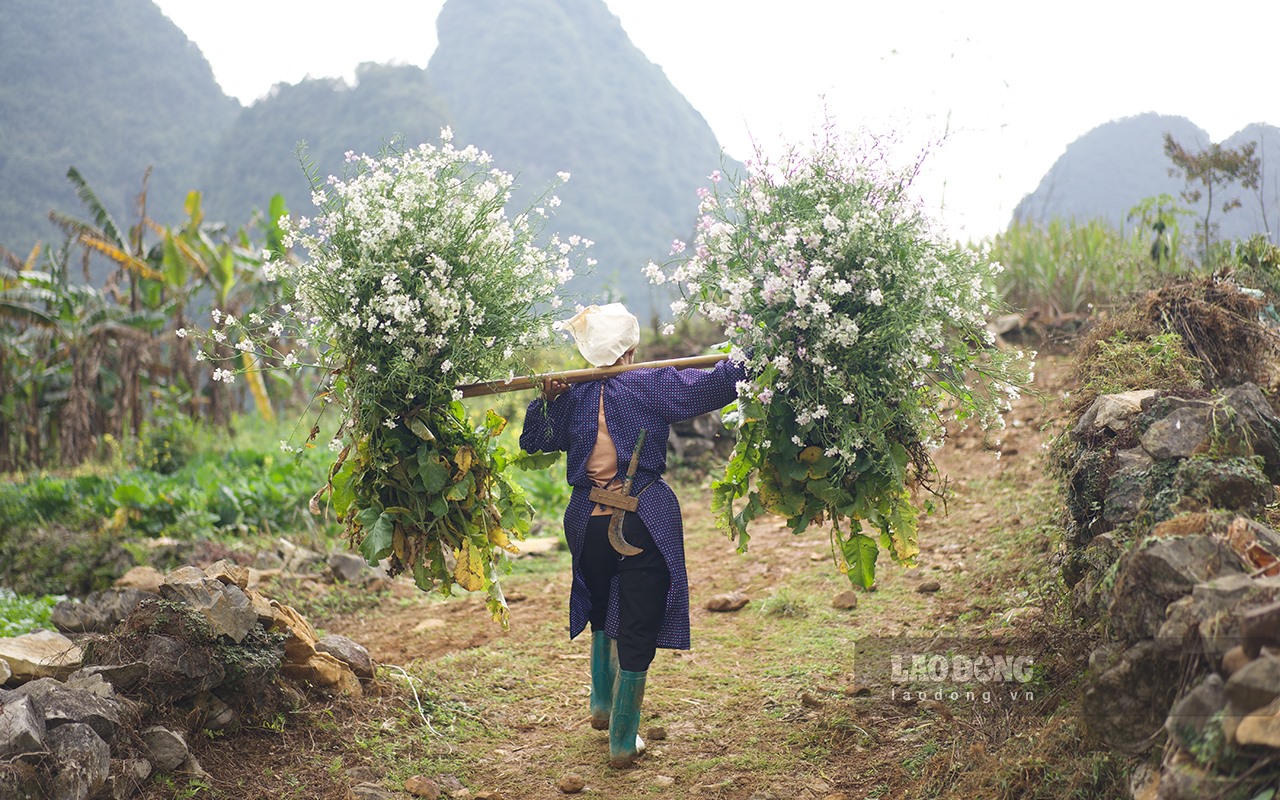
602,333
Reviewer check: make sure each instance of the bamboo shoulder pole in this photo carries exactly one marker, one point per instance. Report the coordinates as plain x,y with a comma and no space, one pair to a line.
584,375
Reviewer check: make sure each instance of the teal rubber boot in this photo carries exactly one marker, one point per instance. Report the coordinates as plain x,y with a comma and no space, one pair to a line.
625,744
604,671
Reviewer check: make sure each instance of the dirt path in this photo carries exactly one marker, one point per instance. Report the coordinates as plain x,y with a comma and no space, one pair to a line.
771,702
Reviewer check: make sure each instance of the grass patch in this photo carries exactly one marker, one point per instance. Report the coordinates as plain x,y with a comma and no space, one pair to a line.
19,614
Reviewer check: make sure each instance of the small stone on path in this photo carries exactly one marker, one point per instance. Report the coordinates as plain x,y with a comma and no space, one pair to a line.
422,786
664,781
928,587
369,791
572,783
656,733
733,601
845,601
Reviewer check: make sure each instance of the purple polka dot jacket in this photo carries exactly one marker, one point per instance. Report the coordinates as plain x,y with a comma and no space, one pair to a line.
651,399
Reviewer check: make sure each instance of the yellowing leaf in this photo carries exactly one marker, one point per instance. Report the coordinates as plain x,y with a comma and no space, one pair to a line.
397,543
499,537
469,573
464,458
494,422
810,454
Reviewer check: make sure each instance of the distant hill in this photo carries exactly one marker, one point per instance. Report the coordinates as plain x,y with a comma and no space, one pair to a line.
1111,168
107,86
551,85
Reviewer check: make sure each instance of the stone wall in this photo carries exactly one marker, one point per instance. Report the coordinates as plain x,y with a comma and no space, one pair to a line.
1171,555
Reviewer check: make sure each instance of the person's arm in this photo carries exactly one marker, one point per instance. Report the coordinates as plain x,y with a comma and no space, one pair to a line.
687,393
547,420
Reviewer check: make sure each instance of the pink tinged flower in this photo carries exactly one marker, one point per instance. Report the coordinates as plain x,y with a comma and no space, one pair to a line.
714,177
677,247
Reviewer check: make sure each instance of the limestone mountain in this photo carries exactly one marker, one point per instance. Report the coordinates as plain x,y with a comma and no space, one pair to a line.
259,156
1108,170
109,87
112,86
556,85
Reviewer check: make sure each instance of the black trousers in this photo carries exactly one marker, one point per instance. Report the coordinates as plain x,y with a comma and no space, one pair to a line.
643,581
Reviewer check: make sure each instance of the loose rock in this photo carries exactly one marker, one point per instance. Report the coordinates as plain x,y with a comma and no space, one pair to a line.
664,781
928,587
22,728
63,705
369,791
229,573
348,652
1262,727
83,759
43,654
224,606
1191,714
361,774
350,568
1233,660
126,777
298,559
1254,685
1182,434
145,578
99,612
733,601
845,601
166,749
1159,571
572,783
656,733
422,786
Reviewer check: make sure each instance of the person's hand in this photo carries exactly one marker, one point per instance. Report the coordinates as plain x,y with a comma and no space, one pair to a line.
551,389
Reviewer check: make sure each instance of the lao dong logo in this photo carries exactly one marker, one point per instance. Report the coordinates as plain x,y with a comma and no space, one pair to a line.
924,668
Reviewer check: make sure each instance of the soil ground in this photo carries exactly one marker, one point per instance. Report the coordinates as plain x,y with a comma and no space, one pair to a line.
777,700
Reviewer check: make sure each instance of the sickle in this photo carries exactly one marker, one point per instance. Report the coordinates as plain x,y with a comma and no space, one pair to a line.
615,521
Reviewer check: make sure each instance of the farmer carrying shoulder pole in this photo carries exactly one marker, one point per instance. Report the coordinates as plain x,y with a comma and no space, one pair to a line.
639,601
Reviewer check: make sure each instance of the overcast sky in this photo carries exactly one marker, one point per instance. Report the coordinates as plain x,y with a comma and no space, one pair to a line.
1010,84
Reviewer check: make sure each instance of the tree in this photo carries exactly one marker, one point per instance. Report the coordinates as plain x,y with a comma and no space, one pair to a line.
1212,170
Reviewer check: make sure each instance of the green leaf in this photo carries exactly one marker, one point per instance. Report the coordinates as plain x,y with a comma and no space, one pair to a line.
462,489
527,461
420,429
344,490
376,544
433,469
860,553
